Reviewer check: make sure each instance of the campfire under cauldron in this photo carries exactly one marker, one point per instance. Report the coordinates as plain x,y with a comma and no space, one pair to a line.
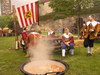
44,67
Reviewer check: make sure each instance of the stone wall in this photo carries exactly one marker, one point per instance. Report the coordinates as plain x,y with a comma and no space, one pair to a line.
45,9
69,22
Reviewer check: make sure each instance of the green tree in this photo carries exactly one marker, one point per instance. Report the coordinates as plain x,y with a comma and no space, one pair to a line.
70,7
6,21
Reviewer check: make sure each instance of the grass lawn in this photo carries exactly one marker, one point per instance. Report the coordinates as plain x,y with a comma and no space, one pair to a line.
80,64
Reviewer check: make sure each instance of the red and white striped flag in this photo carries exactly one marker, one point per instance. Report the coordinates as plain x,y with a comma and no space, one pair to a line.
27,14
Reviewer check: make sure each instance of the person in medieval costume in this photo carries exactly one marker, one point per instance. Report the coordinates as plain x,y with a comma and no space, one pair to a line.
23,39
67,42
1,32
51,33
98,30
91,34
31,41
83,30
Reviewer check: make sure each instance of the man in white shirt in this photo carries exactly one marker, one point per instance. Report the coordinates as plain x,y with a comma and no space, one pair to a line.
91,34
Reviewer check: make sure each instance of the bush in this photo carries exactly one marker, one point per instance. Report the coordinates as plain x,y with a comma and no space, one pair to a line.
59,16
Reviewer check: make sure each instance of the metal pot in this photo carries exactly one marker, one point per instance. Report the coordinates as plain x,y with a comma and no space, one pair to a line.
48,73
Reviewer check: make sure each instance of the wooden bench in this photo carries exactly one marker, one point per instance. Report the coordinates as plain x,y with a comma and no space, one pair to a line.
56,41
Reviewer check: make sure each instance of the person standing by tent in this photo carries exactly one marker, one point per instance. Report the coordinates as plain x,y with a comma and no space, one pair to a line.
91,34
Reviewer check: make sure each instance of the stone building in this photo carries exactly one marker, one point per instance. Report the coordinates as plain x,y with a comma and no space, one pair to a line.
5,7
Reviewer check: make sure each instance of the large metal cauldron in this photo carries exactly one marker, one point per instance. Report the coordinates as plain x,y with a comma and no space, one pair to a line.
48,73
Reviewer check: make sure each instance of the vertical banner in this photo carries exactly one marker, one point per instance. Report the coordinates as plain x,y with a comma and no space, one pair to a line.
27,12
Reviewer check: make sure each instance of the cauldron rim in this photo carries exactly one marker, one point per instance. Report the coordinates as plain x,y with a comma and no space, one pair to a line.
27,73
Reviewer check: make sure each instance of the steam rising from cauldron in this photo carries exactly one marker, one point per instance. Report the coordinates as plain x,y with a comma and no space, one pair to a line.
41,51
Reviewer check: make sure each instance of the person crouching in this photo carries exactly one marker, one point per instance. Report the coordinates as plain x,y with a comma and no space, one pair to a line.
67,42
31,41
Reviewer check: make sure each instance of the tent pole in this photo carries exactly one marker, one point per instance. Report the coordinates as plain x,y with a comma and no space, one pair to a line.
15,27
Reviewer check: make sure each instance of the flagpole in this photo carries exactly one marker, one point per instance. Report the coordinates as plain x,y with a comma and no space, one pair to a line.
38,13
15,27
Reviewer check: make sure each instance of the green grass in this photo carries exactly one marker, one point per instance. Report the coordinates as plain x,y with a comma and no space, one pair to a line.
10,60
80,64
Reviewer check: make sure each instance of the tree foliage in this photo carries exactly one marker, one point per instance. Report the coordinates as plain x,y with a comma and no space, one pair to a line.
71,7
61,6
6,21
